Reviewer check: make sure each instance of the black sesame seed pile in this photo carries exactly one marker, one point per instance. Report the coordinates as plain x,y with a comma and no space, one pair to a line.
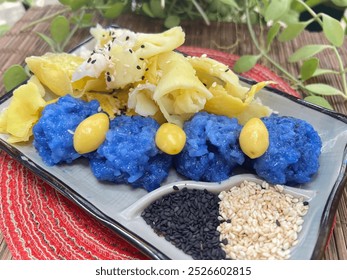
188,218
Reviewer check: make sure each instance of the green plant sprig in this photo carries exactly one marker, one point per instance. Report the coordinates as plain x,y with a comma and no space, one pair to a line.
81,13
334,33
46,18
335,39
62,29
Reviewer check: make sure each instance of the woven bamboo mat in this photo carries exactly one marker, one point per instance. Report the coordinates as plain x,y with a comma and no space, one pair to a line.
18,44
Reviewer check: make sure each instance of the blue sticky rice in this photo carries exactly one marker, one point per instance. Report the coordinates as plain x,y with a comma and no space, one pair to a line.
212,148
129,154
293,154
53,133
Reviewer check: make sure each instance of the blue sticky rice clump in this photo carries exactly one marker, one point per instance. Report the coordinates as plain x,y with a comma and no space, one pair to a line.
212,148
129,154
53,133
293,154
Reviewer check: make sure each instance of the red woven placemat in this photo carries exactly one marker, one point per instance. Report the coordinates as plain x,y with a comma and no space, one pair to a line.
39,223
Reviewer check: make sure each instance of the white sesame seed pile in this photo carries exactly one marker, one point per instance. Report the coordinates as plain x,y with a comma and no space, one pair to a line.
259,221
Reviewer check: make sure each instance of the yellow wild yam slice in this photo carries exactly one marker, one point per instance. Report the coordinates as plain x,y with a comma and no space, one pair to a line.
22,113
123,59
148,45
212,72
89,84
223,103
108,103
141,100
179,92
127,68
255,88
254,110
151,75
37,82
55,70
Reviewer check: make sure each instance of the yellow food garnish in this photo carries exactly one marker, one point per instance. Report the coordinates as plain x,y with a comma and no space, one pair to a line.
179,92
54,70
87,84
229,98
254,138
254,89
40,87
224,103
152,71
91,133
127,68
254,110
141,100
102,36
120,56
170,138
108,103
212,72
52,101
23,112
148,45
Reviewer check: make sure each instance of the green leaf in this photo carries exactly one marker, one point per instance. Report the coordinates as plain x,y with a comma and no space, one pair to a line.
290,17
320,71
291,31
87,20
333,30
75,4
308,68
65,2
273,31
172,21
307,52
14,76
231,3
114,11
276,9
318,100
48,40
60,28
245,63
323,89
146,9
340,3
156,8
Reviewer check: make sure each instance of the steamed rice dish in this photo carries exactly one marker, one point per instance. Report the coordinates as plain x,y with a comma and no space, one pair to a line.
53,134
212,148
293,154
129,154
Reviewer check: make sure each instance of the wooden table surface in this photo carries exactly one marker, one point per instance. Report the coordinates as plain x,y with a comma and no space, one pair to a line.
228,37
